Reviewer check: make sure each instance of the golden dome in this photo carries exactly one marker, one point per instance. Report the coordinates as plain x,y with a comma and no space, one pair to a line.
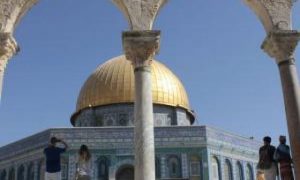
113,82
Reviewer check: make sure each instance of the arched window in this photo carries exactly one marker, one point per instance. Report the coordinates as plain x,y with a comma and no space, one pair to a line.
215,165
11,175
3,175
125,172
227,170
239,171
40,172
30,172
174,166
157,167
195,166
103,165
123,119
20,175
249,172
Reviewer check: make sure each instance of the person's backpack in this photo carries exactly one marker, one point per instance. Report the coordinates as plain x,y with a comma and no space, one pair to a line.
265,160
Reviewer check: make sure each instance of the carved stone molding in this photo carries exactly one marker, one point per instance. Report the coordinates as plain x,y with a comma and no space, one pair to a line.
8,48
281,44
140,13
274,14
140,46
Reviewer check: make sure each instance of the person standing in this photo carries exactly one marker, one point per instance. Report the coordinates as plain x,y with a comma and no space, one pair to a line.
283,156
266,163
52,154
84,171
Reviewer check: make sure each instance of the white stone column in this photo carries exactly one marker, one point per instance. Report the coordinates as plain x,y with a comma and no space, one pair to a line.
140,47
8,47
206,163
281,45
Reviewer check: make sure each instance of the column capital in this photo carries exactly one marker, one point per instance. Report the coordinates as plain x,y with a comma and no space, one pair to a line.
8,48
281,44
141,46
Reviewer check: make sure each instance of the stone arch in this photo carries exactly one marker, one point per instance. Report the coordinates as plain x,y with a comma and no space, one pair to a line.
195,165
125,172
113,170
21,173
3,175
174,166
249,172
11,174
261,11
12,12
216,168
239,171
228,174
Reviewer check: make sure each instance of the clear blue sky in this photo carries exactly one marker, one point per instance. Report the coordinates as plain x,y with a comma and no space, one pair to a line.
212,46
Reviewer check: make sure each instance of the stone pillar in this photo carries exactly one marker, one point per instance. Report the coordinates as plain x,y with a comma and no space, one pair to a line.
163,166
8,47
280,45
244,166
36,169
234,168
222,165
16,172
25,171
184,166
206,163
72,166
94,165
140,47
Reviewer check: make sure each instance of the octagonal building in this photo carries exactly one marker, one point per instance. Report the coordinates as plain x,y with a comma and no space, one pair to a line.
103,120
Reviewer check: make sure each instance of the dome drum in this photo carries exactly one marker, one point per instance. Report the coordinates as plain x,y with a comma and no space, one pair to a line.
123,115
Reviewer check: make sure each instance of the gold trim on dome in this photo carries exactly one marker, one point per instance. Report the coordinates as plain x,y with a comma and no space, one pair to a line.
113,82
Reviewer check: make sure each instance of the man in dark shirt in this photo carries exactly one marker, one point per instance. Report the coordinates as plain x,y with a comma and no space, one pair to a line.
266,164
52,154
283,156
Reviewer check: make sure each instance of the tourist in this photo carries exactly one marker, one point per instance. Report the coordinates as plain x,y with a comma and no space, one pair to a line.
52,154
283,156
83,171
266,163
